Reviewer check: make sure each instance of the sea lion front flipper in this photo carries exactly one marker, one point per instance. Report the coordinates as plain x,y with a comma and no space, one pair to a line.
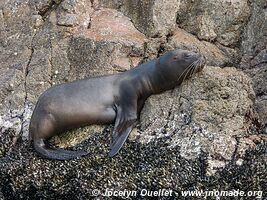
124,123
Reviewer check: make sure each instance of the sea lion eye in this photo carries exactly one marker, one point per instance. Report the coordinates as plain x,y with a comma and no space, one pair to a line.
187,55
175,57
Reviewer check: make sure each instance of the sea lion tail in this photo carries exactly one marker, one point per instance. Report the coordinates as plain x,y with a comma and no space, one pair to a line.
46,151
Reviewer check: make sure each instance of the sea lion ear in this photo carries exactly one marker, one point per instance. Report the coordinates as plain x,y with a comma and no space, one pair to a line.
175,57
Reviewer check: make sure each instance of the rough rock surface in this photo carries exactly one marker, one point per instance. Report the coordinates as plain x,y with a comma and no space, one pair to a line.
216,20
152,17
208,134
254,43
181,135
207,114
254,56
215,56
259,77
112,36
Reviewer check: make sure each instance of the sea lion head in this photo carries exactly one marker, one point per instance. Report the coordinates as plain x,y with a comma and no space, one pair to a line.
180,64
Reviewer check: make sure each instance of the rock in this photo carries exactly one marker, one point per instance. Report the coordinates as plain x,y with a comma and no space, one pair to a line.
206,114
75,137
254,55
15,54
204,135
260,59
74,13
43,6
259,77
220,21
151,17
74,57
117,42
182,115
261,108
254,41
215,56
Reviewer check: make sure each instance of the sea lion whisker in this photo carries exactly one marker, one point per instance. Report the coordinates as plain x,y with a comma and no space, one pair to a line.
191,66
196,63
194,69
191,71
197,66
184,72
188,68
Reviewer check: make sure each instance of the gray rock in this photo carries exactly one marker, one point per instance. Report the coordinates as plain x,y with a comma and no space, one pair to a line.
220,21
215,56
206,114
74,13
255,35
259,77
204,118
260,59
254,55
202,135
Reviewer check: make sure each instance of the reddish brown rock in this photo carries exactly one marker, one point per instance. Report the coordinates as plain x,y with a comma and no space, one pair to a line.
154,18
112,26
119,45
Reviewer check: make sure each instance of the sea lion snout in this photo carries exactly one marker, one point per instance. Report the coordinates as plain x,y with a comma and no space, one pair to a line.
193,55
198,58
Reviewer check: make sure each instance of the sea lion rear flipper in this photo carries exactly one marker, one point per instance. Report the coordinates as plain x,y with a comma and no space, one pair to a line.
125,121
47,151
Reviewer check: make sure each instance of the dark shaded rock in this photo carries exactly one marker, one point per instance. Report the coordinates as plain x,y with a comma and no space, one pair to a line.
259,77
260,59
254,55
35,178
254,43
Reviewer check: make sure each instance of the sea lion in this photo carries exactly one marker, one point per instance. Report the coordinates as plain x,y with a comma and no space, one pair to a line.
106,99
